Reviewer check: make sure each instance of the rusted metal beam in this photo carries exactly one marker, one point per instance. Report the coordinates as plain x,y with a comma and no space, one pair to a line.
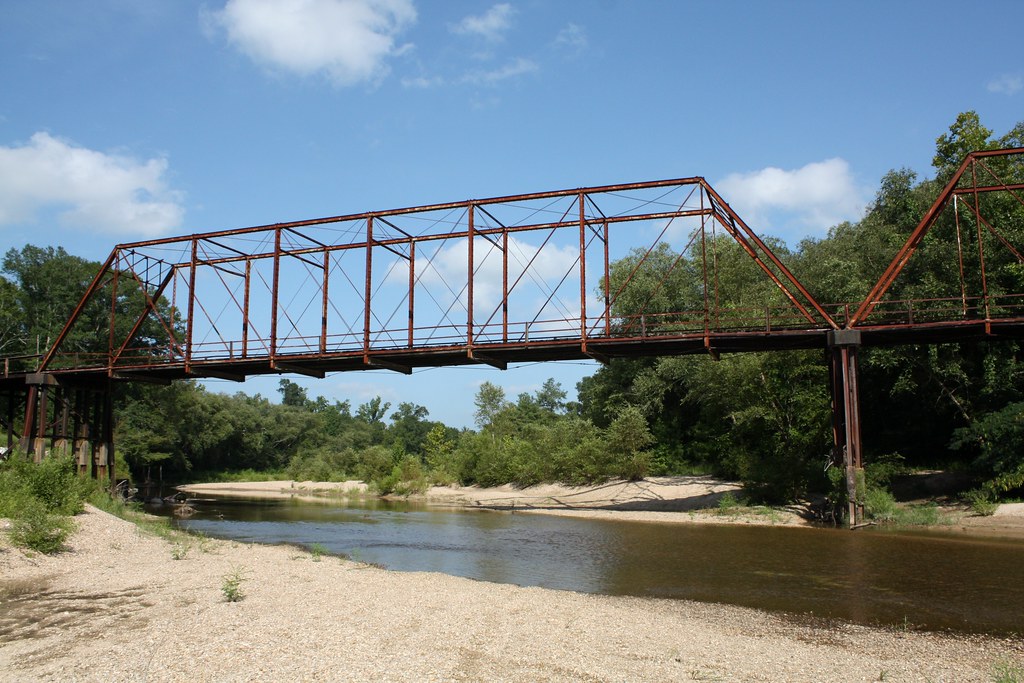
896,266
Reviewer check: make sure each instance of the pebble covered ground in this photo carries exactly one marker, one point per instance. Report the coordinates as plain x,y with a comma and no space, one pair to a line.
118,606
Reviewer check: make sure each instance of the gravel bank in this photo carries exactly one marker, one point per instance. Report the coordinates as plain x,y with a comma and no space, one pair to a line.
117,607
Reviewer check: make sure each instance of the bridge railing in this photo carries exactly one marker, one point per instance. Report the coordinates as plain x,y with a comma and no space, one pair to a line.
941,310
944,311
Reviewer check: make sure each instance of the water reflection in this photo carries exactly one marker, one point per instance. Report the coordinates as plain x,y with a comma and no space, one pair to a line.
927,581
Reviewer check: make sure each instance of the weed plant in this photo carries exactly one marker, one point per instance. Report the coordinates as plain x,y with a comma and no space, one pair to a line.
231,586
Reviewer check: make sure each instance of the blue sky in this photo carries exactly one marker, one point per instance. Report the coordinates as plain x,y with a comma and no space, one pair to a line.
122,120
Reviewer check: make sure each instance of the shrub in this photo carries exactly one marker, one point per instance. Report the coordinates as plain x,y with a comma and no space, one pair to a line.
38,529
55,483
405,478
981,502
880,505
728,502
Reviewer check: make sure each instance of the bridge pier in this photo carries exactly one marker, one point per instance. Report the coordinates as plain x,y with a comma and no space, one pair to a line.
62,419
842,355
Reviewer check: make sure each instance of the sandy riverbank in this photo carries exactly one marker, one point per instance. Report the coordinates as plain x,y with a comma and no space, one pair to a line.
683,500
116,607
660,499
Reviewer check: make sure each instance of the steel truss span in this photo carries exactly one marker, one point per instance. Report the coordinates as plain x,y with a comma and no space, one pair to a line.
639,269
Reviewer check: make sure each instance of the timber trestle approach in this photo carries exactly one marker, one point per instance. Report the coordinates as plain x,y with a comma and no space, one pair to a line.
600,273
60,416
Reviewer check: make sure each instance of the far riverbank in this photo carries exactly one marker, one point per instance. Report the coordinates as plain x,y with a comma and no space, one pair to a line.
678,500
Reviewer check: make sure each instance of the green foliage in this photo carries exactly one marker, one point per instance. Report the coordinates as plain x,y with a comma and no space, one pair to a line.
728,502
997,443
52,483
405,478
880,505
39,529
231,585
881,470
981,503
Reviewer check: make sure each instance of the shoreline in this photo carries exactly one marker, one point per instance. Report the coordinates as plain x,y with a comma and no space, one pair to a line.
116,606
665,500
655,499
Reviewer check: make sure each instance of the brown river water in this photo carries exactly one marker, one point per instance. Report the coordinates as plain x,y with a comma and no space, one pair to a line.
920,580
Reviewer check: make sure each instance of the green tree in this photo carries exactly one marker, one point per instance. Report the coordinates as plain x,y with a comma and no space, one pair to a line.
292,394
409,428
489,402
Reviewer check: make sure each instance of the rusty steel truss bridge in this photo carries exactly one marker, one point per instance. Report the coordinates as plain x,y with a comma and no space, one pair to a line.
520,278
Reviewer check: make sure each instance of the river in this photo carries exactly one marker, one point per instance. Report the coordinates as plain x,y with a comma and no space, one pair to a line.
920,580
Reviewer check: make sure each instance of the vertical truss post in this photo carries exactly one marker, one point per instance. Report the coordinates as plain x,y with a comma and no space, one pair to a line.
412,292
190,326
981,243
469,283
504,285
842,350
274,293
704,268
607,285
368,289
583,273
325,302
245,309
113,316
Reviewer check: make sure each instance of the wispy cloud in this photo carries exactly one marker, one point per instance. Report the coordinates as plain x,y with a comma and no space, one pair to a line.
491,25
518,67
423,82
1007,84
816,196
108,193
350,41
573,38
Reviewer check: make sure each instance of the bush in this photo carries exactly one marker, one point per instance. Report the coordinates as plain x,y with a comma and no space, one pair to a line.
405,478
880,505
981,502
40,530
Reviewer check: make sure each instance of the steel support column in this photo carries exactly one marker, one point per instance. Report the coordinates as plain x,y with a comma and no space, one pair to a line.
842,352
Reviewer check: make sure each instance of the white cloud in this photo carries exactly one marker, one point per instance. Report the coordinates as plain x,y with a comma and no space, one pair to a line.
348,40
108,193
490,25
1007,84
816,196
519,67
